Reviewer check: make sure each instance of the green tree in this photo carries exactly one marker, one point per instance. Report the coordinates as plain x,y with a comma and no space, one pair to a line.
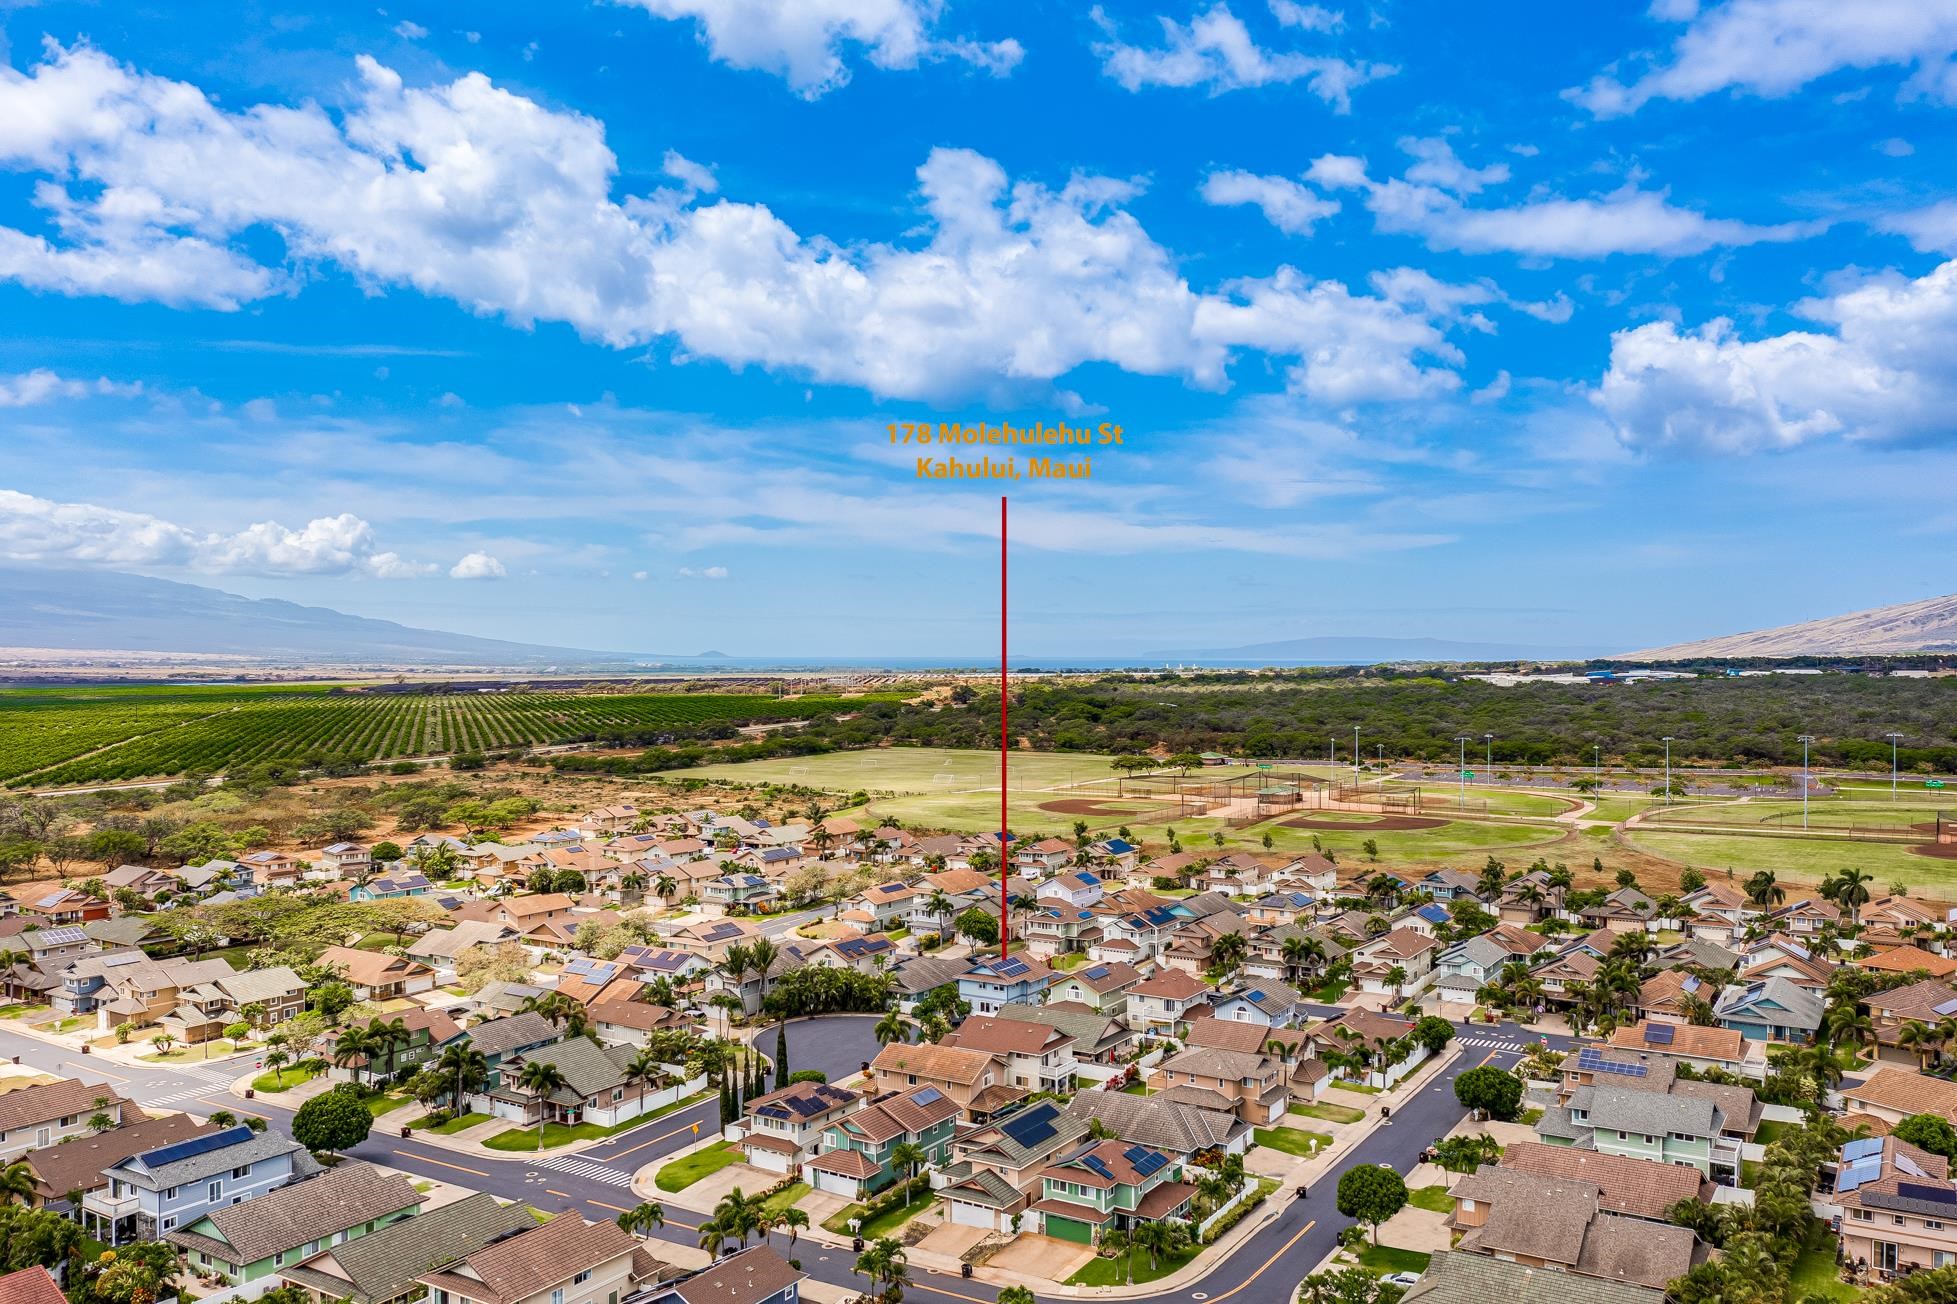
978,927
1491,1092
1433,1032
540,1079
1930,1132
1371,1194
337,1120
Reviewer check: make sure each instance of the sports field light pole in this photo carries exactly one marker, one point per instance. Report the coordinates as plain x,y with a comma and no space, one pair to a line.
1488,754
1668,769
1597,756
1463,771
1892,737
1355,754
1806,740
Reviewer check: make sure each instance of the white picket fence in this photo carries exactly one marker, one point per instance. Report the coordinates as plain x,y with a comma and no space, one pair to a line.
1244,1192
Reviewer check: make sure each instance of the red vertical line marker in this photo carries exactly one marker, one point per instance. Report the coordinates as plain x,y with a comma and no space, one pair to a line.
1005,911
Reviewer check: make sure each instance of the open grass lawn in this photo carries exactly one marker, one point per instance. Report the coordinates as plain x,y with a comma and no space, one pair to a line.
1617,809
1383,1259
911,770
1806,860
1292,1140
1771,1131
1330,993
460,1123
385,1103
284,1080
1328,1112
203,1050
784,1198
1823,812
15,1011
1439,798
979,811
887,1222
1133,1268
1451,838
559,1134
684,1172
1434,1199
1814,1275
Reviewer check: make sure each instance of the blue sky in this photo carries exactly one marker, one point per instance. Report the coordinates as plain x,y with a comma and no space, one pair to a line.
1580,327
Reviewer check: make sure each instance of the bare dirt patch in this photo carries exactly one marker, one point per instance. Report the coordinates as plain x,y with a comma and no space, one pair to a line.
1935,850
1087,806
1371,824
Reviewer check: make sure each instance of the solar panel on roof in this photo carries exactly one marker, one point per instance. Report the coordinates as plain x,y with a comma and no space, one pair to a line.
927,1096
1591,1060
1098,972
1254,996
199,1145
1149,1163
1933,1194
1030,1127
1659,1034
1094,1162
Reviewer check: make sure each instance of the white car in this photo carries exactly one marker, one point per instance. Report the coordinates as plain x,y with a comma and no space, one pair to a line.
1401,1278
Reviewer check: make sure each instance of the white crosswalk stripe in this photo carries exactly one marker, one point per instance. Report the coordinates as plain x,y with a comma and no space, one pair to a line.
589,1168
1490,1043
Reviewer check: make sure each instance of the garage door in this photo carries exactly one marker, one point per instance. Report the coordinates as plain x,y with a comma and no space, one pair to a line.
1069,1229
835,1183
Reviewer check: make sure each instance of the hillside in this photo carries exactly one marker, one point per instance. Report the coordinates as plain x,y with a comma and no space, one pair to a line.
87,610
1926,626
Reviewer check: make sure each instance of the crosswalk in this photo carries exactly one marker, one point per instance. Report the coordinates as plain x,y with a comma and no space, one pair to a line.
586,1168
1490,1043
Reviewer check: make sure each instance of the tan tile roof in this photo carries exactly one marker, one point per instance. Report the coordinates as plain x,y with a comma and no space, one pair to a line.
370,968
1688,1040
998,1036
532,1261
1908,959
1169,984
1643,1188
938,1062
1893,1088
46,1101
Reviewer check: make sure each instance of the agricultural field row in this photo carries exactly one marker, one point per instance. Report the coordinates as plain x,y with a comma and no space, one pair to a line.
81,737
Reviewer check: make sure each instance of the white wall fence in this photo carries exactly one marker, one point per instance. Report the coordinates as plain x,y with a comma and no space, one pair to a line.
1244,1192
251,1290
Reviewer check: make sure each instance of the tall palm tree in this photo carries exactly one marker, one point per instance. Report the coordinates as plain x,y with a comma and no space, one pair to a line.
1920,1037
712,1236
762,954
794,1220
911,1156
1852,892
1763,891
466,1067
16,1183
1116,1244
892,1027
642,1217
645,1068
1161,1239
941,908
540,1079
1228,951
739,1214
352,1044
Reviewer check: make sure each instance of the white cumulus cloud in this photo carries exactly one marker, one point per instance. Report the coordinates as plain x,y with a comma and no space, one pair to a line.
1875,368
478,566
1772,48
804,41
1215,51
28,388
1286,205
472,193
41,530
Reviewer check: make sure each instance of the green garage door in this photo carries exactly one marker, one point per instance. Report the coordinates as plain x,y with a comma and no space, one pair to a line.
1069,1229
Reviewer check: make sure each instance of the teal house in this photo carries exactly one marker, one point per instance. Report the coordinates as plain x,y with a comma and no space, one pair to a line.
247,1241
1110,1184
857,1149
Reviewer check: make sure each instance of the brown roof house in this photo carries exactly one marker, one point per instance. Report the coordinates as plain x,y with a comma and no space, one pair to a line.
565,1261
1038,1056
375,975
975,1079
1560,1224
785,1127
1250,1084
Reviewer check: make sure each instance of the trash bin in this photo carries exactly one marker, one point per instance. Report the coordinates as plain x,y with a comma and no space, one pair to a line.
249,1093
965,1270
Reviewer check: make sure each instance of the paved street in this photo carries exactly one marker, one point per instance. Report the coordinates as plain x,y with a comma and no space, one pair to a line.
1264,1270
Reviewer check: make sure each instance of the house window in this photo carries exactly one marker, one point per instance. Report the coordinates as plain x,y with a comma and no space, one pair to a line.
557,1296
581,1278
1899,1220
170,1194
168,1223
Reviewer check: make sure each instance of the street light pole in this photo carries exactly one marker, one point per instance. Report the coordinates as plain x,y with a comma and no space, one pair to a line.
1806,739
1597,757
1892,737
1668,769
1488,754
1355,753
1463,771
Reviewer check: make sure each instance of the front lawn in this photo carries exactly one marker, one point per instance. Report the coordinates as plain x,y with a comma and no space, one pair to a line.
1434,1199
1327,1112
560,1134
1381,1260
783,1199
385,1102
684,1172
460,1123
1329,993
887,1222
203,1050
1815,1276
1771,1131
285,1079
1134,1267
1293,1141
15,1011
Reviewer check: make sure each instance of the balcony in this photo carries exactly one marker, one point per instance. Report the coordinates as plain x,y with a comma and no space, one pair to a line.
102,1204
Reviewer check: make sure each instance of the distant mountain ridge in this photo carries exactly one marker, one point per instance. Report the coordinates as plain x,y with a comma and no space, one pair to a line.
80,610
1926,626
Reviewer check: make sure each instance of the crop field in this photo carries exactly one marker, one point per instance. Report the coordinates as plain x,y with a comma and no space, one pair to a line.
54,737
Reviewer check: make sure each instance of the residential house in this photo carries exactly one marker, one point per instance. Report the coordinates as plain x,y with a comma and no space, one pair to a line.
917,976
1702,1048
739,894
975,1080
1635,1188
1720,911
1927,1002
150,1194
752,1276
278,869
76,1164
1357,1039
1888,1095
1451,885
1627,910
1047,856
441,948
785,1127
1280,908
140,879
995,1170
129,987
1079,887
44,1114
376,975
122,932
50,949
1678,1122
1904,914
1457,1277
1110,1185
380,1267
246,1242
1037,1056
1805,917
632,1023
650,962
564,1261
428,1031
1899,1208
1103,988
529,915
596,1086
1472,963
1267,1004
63,906
1161,1003
869,954
1098,1038
1911,960
345,859
1772,1009
1529,898
1560,1225
1057,928
1405,949
995,982
1781,956
263,997
511,1036
1180,1131
752,984
1250,1084
397,886
30,1285
855,1159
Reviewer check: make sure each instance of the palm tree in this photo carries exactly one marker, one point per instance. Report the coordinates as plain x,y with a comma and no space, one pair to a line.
642,1217
892,1027
465,1066
1167,1237
738,1215
941,908
1228,951
16,1183
762,955
794,1220
1852,891
646,1067
163,1042
560,1007
389,1040
276,1060
1763,891
540,1078
1919,1037
1116,1245
712,1236
911,1156
1397,975
1846,1022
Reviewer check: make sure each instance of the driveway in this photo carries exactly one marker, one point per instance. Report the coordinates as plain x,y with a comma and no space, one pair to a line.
1042,1257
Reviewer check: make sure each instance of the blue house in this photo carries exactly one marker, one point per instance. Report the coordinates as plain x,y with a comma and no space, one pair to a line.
160,1190
391,887
994,983
1772,1009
